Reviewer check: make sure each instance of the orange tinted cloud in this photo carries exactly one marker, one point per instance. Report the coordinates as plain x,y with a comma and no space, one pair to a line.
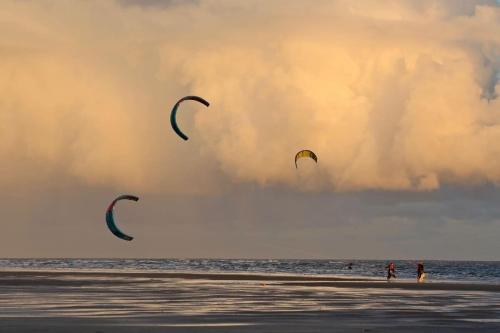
397,95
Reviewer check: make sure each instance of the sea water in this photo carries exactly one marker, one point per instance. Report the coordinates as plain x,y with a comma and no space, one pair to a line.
438,270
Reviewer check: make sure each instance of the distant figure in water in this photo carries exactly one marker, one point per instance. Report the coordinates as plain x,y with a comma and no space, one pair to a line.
420,272
391,271
349,266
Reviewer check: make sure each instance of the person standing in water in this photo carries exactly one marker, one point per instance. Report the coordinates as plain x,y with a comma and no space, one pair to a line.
391,271
420,272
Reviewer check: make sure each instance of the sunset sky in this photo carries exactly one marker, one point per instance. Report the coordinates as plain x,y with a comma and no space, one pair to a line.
399,100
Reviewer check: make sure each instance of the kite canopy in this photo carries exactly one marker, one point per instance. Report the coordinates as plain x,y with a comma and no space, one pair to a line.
173,115
110,220
305,153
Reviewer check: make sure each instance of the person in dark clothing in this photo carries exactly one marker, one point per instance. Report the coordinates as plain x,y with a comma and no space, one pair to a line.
420,272
391,271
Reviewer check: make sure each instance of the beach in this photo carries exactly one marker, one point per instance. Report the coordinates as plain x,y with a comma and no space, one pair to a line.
102,301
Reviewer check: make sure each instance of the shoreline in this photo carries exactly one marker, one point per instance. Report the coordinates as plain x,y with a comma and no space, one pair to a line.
24,277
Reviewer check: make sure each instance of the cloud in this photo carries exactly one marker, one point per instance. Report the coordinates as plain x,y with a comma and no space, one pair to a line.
398,96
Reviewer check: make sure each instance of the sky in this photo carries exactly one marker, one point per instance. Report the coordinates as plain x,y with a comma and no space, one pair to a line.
398,99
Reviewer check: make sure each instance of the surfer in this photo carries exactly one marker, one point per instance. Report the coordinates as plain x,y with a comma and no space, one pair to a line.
349,266
391,271
420,272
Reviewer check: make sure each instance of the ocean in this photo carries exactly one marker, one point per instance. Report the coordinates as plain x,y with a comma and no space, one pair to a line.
437,270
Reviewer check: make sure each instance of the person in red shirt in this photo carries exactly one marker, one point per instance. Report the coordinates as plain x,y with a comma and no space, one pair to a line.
391,271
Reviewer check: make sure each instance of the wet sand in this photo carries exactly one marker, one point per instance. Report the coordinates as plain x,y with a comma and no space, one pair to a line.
64,301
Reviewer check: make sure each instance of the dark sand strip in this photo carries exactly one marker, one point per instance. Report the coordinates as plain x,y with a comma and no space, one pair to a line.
177,275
